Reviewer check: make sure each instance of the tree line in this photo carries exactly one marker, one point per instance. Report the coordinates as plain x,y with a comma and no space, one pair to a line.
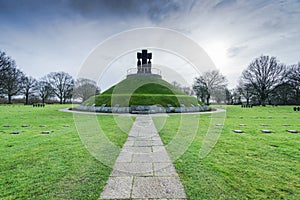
264,81
56,85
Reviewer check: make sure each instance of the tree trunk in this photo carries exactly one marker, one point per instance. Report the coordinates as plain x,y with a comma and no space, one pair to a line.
26,99
207,100
297,97
262,99
9,99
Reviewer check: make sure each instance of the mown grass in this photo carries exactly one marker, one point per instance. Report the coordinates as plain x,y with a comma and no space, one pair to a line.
252,165
140,85
143,91
56,165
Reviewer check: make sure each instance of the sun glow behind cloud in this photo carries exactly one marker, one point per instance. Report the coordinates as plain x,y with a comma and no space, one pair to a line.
217,51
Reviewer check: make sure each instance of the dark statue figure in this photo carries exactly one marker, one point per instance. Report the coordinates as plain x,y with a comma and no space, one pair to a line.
144,66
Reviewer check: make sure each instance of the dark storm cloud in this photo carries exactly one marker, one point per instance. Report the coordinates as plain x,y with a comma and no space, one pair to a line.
30,7
20,12
30,12
155,10
160,10
224,4
94,8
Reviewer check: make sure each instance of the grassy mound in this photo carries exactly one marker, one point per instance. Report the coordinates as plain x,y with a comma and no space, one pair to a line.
143,91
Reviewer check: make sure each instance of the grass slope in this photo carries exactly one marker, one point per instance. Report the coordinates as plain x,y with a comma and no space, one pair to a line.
55,166
142,91
253,165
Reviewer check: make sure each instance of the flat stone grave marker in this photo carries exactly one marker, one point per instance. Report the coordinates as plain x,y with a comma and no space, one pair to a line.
238,131
42,125
25,125
15,132
241,117
46,132
266,131
66,125
264,124
219,124
242,124
292,131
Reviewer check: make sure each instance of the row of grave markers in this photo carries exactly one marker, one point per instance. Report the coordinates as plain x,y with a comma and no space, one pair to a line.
26,125
296,108
264,130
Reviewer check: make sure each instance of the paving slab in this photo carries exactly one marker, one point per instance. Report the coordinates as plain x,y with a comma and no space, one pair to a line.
148,143
117,188
124,156
159,149
157,187
164,169
132,169
137,149
129,143
151,157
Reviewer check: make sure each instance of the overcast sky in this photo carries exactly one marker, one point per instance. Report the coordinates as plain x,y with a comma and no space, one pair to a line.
58,35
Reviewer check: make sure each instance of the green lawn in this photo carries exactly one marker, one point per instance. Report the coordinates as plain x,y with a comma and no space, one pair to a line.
55,166
252,165
143,91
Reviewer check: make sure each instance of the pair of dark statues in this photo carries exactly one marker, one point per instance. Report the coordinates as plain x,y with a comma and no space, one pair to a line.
144,66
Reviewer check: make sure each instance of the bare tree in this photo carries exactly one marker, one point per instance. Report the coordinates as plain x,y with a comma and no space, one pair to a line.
282,94
208,83
293,79
200,89
85,88
263,74
219,95
236,96
5,63
228,96
11,77
246,90
62,84
29,87
44,89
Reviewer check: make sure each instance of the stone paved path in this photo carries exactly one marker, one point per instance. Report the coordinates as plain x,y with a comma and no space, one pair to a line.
143,169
